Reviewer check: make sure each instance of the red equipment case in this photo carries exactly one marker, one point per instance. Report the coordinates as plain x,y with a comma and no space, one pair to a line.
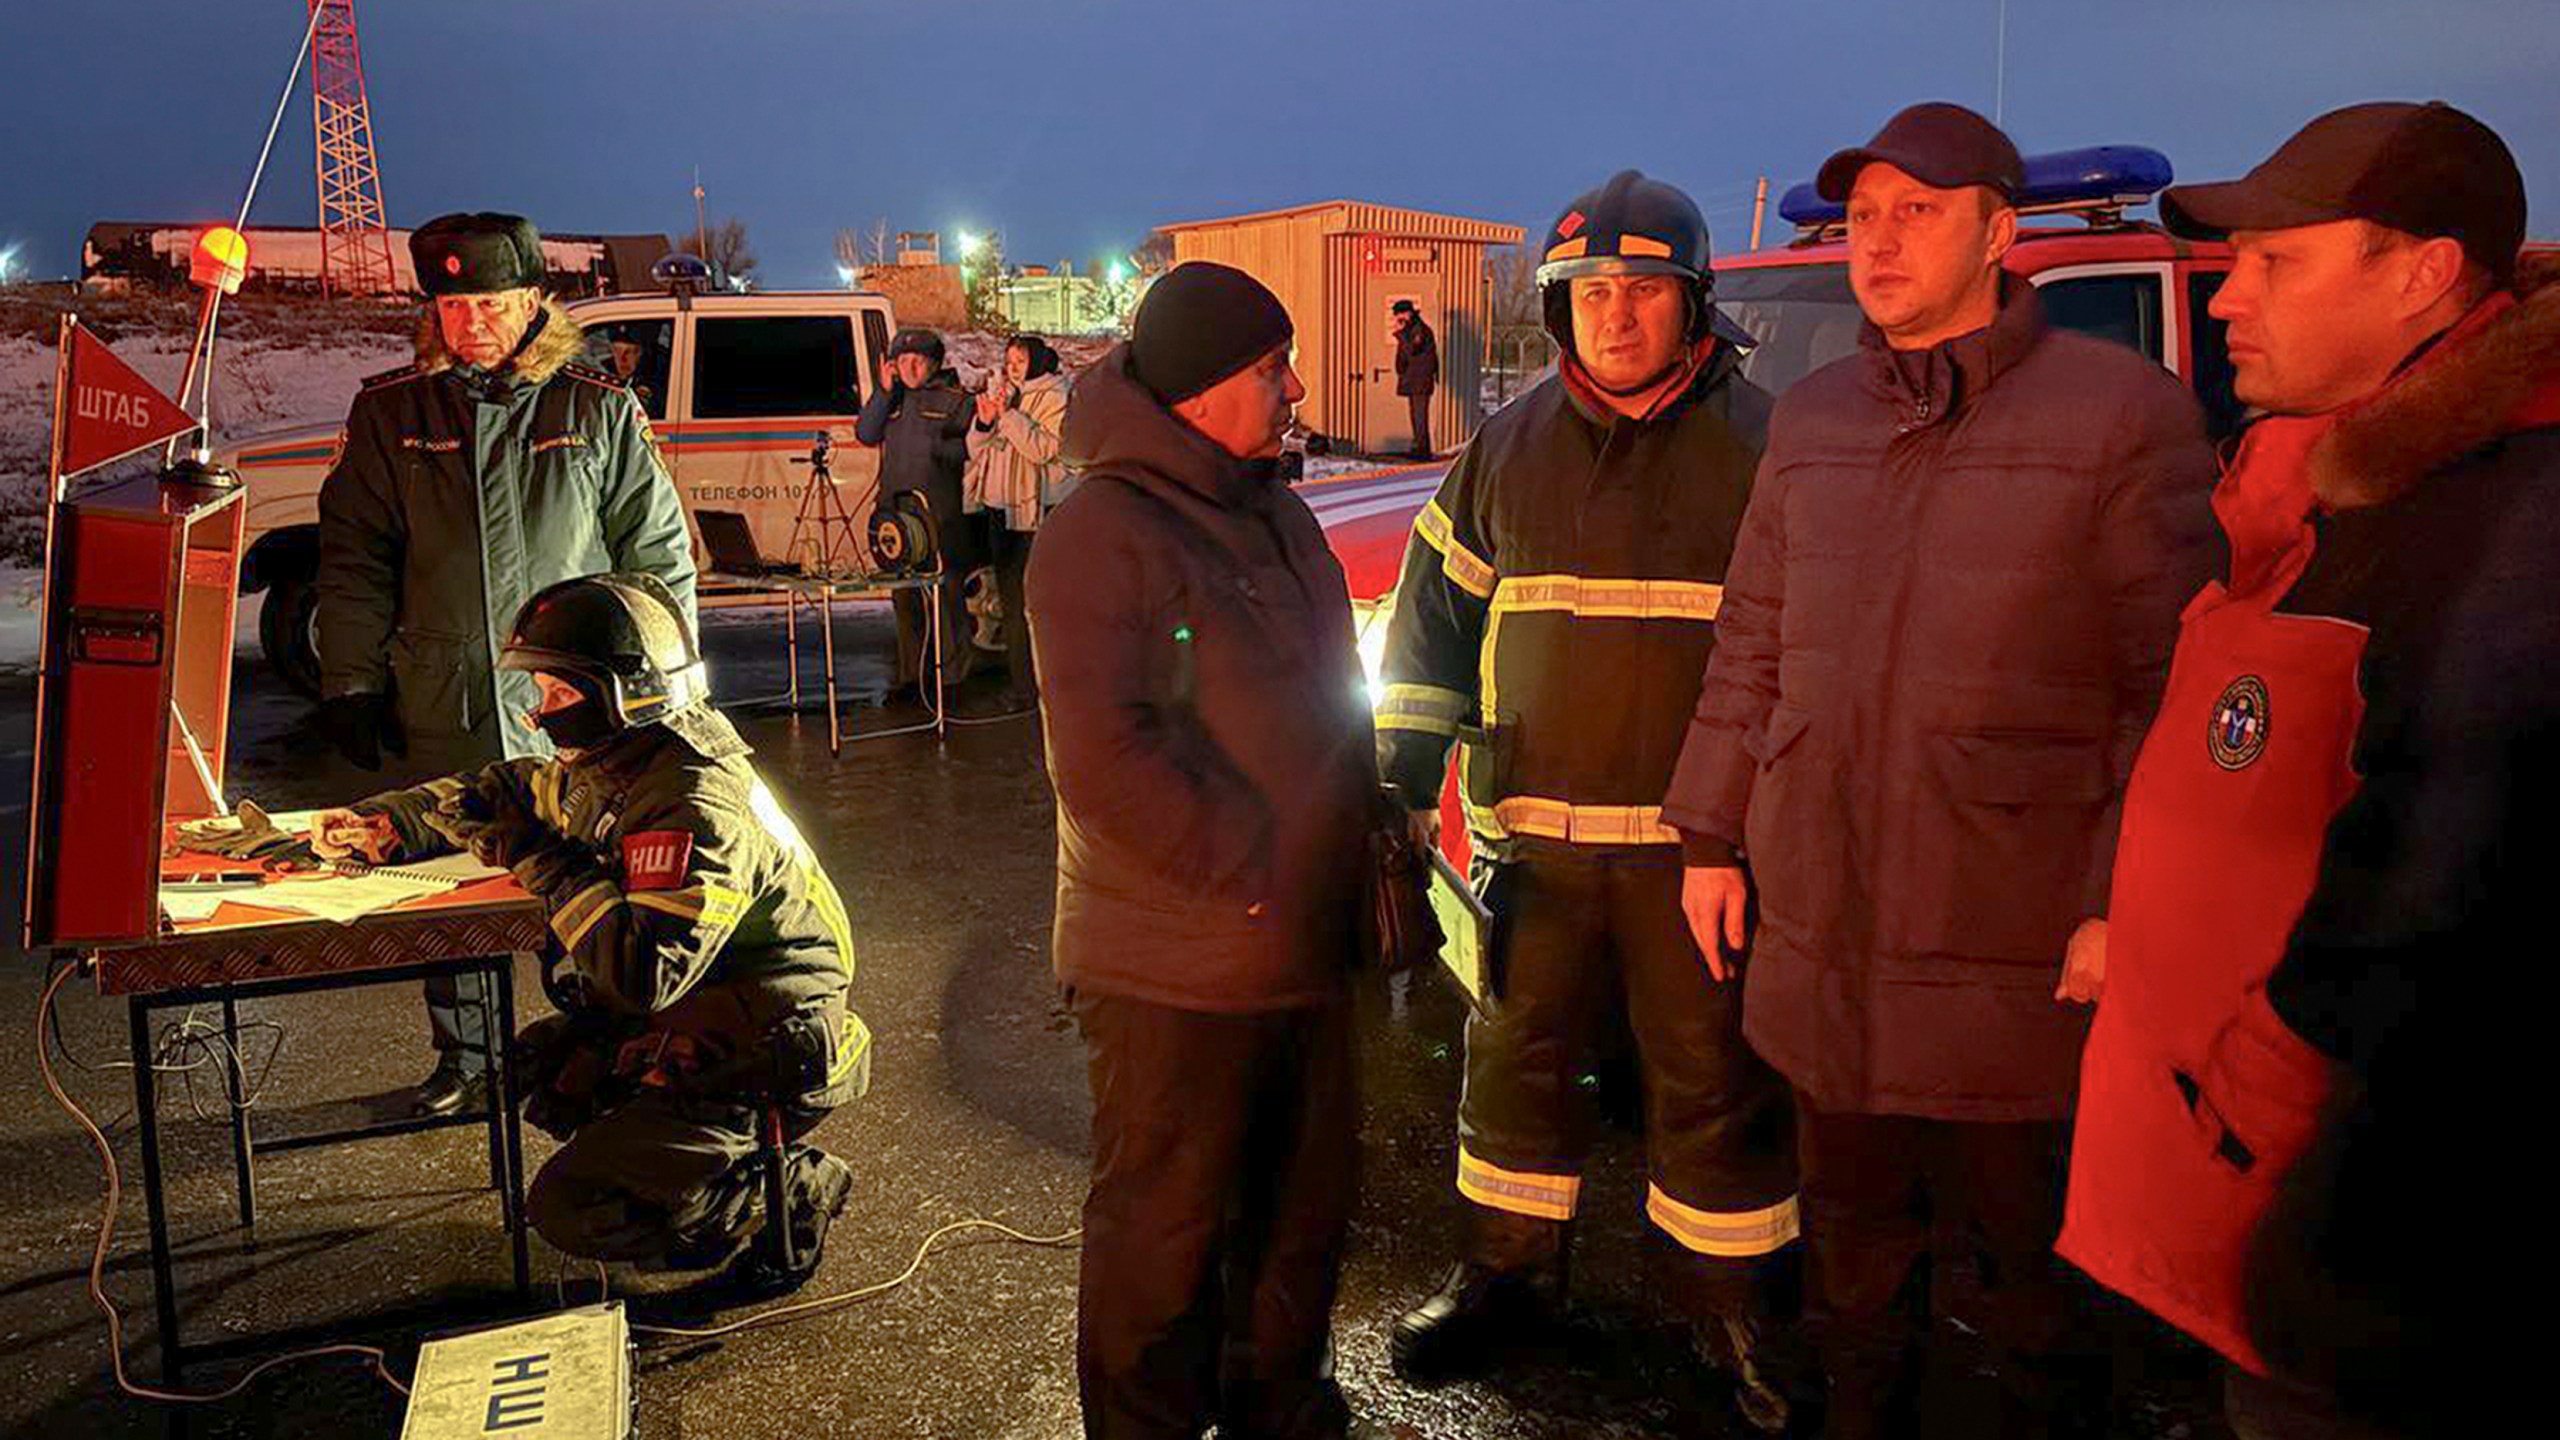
141,577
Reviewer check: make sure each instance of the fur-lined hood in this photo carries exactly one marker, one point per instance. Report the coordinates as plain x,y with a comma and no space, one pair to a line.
558,341
2501,377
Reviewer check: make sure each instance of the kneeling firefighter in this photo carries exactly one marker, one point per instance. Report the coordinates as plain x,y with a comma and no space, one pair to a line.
707,954
1555,614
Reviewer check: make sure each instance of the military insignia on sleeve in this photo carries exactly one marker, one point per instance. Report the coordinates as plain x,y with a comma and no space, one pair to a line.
2238,734
656,859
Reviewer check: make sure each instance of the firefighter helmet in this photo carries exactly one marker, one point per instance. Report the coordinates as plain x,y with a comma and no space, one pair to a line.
621,638
1629,226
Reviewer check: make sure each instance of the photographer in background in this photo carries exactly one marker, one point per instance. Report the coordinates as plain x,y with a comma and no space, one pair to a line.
1015,475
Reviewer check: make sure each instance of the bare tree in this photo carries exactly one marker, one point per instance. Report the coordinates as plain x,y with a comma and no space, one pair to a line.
1514,276
856,249
729,253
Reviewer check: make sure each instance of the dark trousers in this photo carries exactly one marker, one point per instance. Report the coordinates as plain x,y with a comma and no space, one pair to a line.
1421,405
1888,1196
1011,554
1580,940
661,1182
1225,1160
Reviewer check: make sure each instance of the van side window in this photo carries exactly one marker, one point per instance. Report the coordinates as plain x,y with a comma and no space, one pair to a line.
875,342
748,365
2121,308
637,353
2211,373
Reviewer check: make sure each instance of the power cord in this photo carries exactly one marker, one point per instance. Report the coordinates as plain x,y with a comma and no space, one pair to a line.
106,1238
805,1308
48,1029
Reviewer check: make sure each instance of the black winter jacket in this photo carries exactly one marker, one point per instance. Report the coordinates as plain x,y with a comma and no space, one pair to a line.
1417,359
1557,607
1208,729
923,436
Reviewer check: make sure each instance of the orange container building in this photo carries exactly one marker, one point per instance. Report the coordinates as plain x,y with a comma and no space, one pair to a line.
1338,266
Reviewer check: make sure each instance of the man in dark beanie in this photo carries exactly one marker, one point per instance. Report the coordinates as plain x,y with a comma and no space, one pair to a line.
491,468
919,420
1211,753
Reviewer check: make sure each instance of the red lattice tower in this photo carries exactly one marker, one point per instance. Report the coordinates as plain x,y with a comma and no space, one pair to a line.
355,241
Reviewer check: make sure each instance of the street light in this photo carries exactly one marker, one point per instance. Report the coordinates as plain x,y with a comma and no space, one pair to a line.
1119,272
8,262
844,275
969,245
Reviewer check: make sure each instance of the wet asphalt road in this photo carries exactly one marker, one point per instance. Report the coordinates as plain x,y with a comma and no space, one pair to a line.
977,1109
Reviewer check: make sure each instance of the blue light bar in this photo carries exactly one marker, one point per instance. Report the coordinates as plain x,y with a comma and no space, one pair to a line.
2118,174
2096,175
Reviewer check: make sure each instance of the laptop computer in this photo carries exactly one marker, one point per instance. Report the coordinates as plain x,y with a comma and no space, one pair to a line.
731,542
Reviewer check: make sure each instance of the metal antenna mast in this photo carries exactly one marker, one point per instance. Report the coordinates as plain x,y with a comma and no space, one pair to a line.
355,240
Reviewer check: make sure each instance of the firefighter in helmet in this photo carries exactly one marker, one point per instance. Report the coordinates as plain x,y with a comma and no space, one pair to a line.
703,954
1553,621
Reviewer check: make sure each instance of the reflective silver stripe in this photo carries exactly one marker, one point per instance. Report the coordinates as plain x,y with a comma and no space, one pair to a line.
1589,599
1464,567
1548,1197
1724,1232
1432,709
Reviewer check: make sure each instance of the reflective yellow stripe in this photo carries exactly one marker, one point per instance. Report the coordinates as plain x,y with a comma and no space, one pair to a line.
713,905
1643,247
1544,819
1587,599
1724,1232
850,1048
1549,1197
1571,249
1432,709
1464,567
573,920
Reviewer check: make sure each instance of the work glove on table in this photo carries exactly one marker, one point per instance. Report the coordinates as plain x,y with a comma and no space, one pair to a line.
360,727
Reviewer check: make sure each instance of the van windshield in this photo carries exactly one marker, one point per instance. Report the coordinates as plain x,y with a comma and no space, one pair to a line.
1803,317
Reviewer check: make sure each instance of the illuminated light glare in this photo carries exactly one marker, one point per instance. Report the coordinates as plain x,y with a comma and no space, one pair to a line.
844,274
8,262
1371,639
1119,272
221,260
969,244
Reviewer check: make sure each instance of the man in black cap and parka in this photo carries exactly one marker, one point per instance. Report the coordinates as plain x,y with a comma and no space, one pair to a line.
919,419
1947,625
492,467
1209,740
1556,611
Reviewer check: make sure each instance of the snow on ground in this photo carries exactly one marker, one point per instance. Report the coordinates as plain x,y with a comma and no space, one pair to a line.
257,386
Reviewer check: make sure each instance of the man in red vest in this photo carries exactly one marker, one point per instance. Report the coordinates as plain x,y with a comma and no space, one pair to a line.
2336,821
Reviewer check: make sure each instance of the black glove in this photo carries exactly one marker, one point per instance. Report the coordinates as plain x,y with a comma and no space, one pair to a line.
562,1062
359,727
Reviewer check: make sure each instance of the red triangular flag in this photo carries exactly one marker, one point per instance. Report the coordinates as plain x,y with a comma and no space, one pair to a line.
108,411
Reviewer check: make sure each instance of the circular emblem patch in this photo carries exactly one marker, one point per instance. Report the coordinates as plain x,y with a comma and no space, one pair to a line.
453,264
2238,735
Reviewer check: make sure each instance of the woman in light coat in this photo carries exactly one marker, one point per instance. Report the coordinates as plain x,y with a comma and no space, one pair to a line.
1016,476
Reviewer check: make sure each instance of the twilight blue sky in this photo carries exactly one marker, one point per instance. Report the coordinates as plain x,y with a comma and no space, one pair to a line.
1076,125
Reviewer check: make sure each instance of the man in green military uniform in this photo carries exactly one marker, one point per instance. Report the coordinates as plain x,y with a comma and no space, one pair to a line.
709,953
468,481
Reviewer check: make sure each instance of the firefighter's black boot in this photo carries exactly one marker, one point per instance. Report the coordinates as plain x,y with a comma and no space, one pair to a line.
1485,1301
1736,1344
821,1185
1460,1328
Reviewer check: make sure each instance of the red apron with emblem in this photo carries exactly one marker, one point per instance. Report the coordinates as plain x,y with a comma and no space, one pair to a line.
2194,1097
